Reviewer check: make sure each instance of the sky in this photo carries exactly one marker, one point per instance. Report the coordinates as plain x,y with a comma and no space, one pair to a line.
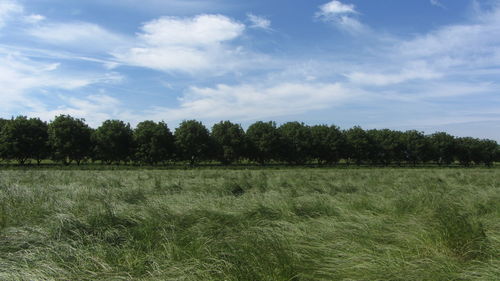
430,65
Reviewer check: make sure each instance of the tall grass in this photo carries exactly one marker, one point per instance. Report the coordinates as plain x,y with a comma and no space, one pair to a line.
309,224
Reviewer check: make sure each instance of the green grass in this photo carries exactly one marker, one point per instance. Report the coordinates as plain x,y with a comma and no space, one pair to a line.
289,224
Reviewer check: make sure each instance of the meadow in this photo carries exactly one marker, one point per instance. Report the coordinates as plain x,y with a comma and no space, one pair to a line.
261,224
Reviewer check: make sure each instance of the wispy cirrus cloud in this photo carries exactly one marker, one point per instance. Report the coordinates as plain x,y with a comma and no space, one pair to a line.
437,3
8,10
79,36
255,101
94,108
259,22
458,50
344,16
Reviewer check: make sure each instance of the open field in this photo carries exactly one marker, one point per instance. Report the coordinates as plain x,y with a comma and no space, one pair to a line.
283,224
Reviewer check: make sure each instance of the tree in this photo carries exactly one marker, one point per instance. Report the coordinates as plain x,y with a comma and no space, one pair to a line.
70,139
193,141
113,141
154,142
22,139
328,144
486,152
465,149
230,141
3,122
443,148
264,141
359,144
416,147
386,146
295,142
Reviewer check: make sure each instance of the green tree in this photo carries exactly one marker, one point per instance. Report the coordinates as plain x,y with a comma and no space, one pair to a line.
358,145
264,142
113,141
230,141
70,139
328,144
193,141
154,142
386,146
3,122
485,152
465,150
443,148
295,143
22,139
416,147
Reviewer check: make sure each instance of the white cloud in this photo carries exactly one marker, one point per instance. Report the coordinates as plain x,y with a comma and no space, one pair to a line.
79,36
460,44
336,7
250,102
342,15
187,44
34,18
9,9
437,3
414,71
19,75
25,82
460,50
259,22
93,108
202,30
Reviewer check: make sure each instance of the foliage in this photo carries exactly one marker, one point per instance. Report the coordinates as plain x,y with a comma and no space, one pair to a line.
295,143
264,141
22,139
359,145
230,141
443,148
113,141
70,139
328,144
417,148
154,142
193,141
388,146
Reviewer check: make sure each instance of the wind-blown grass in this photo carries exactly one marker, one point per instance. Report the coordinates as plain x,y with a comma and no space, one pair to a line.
292,224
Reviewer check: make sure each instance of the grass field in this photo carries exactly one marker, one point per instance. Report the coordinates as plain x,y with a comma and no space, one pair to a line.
289,224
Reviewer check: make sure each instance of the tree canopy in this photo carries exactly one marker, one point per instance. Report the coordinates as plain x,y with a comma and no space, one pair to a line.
113,141
230,141
67,139
24,138
154,142
193,141
70,139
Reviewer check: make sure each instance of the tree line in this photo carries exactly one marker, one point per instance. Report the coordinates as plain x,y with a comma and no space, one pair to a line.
70,140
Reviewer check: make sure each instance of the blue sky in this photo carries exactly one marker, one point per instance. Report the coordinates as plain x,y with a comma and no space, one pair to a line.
415,64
